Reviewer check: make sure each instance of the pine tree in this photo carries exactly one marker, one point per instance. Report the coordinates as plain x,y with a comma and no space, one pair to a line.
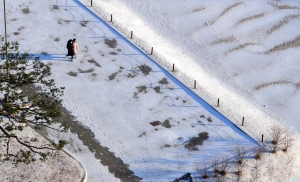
19,109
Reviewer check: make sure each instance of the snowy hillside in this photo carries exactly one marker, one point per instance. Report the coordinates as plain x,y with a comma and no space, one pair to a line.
238,51
244,53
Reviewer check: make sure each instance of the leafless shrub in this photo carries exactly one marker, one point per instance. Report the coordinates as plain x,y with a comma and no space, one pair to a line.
202,170
220,178
239,152
214,164
256,173
258,152
274,149
223,166
239,168
276,133
287,140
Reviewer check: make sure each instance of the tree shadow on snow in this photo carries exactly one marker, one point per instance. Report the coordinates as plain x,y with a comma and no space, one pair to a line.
49,57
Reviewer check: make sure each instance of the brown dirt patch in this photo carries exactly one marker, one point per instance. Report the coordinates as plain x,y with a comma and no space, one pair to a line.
132,75
112,76
250,18
290,44
223,40
71,73
86,71
198,9
283,22
194,141
140,89
280,82
26,11
164,81
283,7
83,23
223,13
94,62
55,8
157,89
209,119
111,43
239,47
145,69
155,123
166,124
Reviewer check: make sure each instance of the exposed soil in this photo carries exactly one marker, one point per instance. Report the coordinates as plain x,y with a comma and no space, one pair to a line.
145,69
112,76
251,18
71,73
223,13
223,40
242,46
142,89
25,11
113,53
55,8
198,9
193,142
93,61
280,82
83,23
131,75
111,43
164,81
209,119
155,123
283,22
86,71
166,124
157,89
286,45
282,7
166,146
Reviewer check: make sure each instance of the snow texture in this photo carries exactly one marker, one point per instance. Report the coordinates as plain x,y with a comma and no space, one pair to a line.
242,53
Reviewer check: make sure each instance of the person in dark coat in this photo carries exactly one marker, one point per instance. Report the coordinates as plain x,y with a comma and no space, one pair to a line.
70,48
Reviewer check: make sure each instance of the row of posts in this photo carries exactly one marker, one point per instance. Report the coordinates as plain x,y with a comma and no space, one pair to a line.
173,69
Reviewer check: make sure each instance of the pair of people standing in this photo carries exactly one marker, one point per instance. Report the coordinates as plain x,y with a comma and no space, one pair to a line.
72,47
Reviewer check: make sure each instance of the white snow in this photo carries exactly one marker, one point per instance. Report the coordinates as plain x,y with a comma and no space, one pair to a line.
222,45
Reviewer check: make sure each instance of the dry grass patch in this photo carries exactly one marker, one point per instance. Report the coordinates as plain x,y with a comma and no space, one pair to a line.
239,47
250,18
286,45
283,22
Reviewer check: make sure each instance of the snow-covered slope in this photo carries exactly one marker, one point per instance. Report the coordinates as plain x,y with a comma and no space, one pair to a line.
138,110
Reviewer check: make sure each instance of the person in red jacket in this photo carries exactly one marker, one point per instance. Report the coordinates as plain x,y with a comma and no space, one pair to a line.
75,47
